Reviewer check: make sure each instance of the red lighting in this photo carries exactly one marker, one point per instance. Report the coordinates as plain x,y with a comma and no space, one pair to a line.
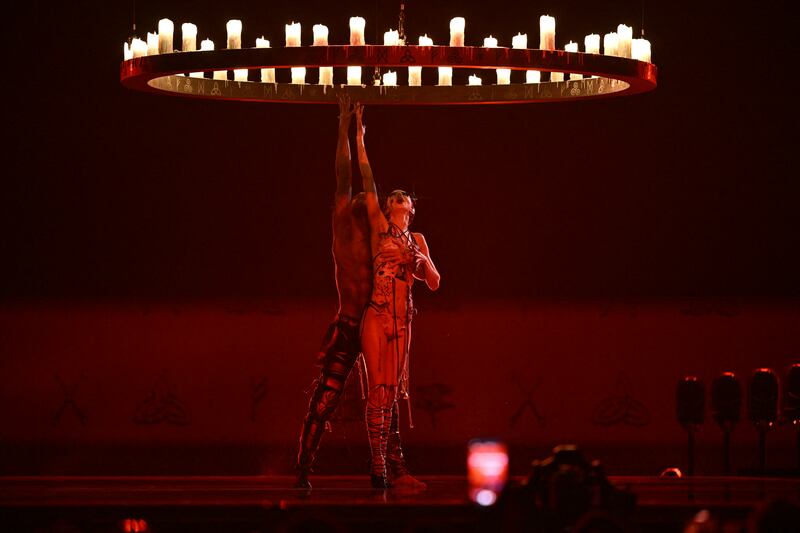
132,525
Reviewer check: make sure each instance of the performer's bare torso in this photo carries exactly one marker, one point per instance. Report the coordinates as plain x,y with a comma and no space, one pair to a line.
351,256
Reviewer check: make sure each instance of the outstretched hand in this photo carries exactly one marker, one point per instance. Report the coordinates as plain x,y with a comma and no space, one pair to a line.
346,109
360,128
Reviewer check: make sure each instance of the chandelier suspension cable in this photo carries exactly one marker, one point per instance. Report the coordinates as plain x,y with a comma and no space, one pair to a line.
642,19
376,78
133,34
401,23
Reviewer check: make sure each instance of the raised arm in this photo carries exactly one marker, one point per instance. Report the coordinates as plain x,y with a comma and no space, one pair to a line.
344,172
376,218
425,269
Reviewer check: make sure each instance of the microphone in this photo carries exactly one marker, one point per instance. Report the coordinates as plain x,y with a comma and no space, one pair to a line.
726,400
762,406
791,395
762,402
690,402
726,409
791,402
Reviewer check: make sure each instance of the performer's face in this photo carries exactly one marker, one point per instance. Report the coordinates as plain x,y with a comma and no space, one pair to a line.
400,200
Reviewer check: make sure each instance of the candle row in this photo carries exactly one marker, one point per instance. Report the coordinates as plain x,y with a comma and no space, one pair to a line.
619,43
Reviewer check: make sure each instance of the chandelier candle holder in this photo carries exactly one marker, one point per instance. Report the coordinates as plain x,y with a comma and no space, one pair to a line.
624,68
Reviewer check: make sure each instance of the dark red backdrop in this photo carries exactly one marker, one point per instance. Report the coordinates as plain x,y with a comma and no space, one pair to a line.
124,201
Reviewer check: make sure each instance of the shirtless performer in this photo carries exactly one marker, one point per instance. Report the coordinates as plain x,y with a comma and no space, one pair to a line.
351,257
399,257
342,345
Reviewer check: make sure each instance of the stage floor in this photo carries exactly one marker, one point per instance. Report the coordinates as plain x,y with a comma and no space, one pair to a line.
343,502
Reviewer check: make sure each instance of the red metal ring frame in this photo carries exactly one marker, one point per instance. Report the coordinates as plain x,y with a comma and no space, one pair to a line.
611,76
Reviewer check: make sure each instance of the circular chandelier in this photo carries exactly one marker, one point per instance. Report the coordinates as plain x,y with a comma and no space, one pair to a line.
249,74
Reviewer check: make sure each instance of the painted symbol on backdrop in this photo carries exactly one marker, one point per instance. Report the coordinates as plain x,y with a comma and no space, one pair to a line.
621,408
215,90
433,399
528,404
407,57
455,57
382,56
258,392
68,403
161,405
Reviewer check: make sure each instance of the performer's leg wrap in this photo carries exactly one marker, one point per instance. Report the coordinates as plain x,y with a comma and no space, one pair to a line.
379,418
395,462
336,367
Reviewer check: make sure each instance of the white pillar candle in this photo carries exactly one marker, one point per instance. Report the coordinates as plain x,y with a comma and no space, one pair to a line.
138,48
489,42
152,44
188,37
391,38
445,75
547,33
234,28
640,49
573,47
414,76
556,76
390,78
240,74
591,43
267,74
424,40
457,31
326,75
293,34
474,80
299,75
533,76
503,76
127,53
625,35
610,42
165,29
320,35
353,75
357,32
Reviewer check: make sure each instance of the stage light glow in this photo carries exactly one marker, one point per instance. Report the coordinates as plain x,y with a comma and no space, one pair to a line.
485,497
